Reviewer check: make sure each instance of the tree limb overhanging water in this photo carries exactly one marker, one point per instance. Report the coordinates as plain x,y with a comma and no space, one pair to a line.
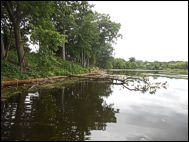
132,83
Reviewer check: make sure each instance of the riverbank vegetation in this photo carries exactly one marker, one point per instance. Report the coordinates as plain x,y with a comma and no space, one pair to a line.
68,37
180,67
53,66
71,38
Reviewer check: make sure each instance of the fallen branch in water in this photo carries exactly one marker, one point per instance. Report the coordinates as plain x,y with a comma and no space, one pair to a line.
132,83
138,86
41,80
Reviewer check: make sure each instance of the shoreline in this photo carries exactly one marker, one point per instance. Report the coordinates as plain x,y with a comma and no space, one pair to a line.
51,79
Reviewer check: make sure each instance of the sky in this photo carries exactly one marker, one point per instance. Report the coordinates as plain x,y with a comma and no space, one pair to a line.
152,30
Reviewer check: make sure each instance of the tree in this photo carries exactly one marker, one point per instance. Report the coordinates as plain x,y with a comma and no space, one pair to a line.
132,59
68,29
87,32
132,62
7,40
63,20
2,48
119,63
108,33
17,14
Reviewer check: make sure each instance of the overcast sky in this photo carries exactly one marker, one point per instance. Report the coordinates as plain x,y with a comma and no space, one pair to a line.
155,30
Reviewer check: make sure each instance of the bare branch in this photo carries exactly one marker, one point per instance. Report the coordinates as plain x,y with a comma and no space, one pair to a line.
126,82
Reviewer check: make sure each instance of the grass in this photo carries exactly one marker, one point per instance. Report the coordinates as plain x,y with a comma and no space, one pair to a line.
39,67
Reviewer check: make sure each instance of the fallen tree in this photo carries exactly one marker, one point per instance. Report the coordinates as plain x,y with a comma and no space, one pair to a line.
132,83
42,80
31,81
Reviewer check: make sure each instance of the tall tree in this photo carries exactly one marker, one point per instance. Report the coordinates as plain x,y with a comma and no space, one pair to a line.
108,35
43,30
17,14
64,22
2,48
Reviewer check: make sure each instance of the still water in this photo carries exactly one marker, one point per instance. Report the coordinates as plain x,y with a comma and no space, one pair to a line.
91,110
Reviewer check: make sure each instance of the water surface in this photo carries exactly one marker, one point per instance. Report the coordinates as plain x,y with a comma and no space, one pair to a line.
90,110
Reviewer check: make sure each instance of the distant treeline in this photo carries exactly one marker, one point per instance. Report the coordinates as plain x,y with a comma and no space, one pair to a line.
132,63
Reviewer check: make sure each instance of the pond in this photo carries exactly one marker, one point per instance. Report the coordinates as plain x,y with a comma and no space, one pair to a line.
94,110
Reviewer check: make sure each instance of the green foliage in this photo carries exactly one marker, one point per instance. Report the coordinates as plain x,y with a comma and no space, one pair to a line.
9,71
108,33
172,66
86,35
108,65
118,63
52,66
132,59
48,38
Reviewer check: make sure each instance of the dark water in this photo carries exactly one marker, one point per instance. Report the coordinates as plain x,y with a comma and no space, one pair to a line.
89,110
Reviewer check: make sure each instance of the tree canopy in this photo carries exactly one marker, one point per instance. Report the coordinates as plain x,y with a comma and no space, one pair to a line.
70,30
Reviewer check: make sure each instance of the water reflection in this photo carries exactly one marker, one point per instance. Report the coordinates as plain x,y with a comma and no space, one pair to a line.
98,111
160,117
131,73
67,113
152,73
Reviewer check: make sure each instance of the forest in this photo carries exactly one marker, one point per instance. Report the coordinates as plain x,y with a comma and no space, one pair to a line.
132,63
72,39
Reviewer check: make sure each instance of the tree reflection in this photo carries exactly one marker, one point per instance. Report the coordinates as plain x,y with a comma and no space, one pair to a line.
67,113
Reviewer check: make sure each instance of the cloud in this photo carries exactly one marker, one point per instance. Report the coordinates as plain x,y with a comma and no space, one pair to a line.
151,30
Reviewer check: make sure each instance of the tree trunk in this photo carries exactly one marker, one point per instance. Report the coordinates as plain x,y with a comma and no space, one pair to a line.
88,62
81,58
15,19
2,49
7,41
6,53
19,47
63,54
85,61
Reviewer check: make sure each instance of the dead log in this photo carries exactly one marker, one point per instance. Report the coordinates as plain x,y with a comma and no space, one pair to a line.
45,80
132,83
31,81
